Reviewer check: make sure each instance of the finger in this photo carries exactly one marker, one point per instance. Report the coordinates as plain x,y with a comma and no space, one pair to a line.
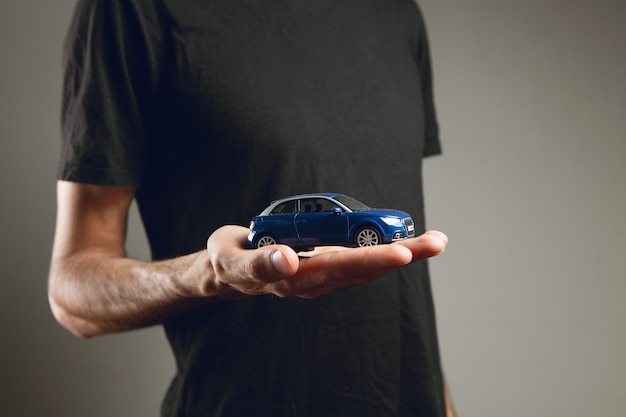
329,271
318,250
427,245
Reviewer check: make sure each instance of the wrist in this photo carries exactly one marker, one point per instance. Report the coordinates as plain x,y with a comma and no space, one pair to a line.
199,280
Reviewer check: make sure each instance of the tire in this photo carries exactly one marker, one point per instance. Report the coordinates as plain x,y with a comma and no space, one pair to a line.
367,236
265,240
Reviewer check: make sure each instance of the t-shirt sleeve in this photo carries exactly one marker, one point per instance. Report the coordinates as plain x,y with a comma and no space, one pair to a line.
432,143
108,91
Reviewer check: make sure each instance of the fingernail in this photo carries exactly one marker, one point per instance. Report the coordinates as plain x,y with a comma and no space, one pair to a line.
280,263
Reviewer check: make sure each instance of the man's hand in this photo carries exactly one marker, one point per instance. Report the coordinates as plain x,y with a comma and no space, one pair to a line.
278,270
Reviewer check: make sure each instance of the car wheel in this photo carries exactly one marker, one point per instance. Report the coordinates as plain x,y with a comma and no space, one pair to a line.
367,236
265,240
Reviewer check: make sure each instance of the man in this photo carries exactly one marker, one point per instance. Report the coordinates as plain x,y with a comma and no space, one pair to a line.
204,111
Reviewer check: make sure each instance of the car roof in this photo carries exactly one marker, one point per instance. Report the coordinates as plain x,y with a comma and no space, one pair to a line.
310,195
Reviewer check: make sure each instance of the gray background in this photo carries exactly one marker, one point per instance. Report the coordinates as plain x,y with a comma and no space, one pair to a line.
530,293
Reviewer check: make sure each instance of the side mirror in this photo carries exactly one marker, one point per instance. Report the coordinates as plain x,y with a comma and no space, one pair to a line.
337,211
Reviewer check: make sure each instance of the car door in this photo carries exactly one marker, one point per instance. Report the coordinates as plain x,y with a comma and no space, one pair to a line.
280,223
317,224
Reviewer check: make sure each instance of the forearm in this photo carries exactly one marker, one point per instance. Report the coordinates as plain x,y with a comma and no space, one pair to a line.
92,292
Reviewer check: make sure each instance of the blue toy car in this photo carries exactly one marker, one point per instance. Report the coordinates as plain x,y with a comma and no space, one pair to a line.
309,220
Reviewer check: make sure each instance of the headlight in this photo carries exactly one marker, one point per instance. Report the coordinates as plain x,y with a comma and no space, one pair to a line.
392,221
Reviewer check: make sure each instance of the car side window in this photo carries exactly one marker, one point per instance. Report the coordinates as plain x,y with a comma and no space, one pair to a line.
325,206
316,205
307,205
288,207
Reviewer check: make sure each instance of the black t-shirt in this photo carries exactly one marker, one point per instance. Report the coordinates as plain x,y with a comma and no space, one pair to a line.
214,108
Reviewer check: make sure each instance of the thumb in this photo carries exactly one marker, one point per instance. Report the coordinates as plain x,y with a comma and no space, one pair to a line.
233,262
285,262
273,263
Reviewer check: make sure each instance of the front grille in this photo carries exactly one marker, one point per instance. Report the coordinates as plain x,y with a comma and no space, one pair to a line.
410,227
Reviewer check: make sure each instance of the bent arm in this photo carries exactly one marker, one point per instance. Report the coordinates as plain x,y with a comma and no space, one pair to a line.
93,287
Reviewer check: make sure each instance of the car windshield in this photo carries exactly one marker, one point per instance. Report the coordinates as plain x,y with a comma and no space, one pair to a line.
351,203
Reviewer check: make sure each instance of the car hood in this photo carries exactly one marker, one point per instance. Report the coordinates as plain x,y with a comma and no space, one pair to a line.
382,213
